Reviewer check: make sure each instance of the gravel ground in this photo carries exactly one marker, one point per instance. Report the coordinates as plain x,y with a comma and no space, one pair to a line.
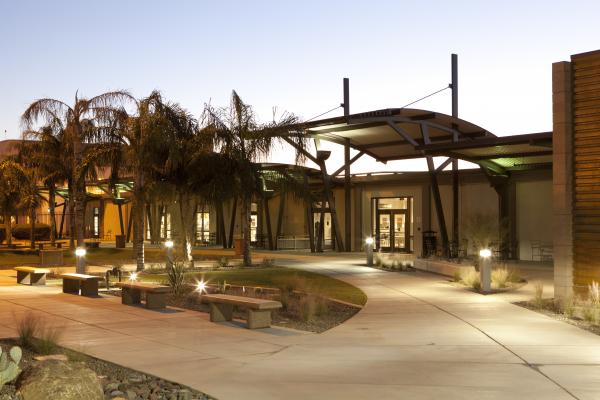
117,381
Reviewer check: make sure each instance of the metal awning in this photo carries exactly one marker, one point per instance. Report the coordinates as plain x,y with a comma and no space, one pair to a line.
400,134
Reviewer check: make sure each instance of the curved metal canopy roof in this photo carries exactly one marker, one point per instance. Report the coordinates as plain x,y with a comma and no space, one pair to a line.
401,133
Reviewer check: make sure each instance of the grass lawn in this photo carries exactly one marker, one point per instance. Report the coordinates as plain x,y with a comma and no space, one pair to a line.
277,277
99,256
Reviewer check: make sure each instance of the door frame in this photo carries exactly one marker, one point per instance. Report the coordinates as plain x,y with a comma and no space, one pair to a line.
392,212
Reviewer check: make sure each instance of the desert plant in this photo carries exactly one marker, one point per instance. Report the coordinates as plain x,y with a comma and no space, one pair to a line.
9,365
471,279
567,306
27,328
457,276
267,263
502,277
47,339
538,294
594,294
589,313
176,278
222,262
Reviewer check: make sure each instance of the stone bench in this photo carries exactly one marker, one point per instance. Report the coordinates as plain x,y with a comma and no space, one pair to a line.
156,295
73,283
259,310
31,275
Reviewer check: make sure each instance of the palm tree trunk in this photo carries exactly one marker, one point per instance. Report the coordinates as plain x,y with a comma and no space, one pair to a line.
71,211
138,222
32,227
80,214
51,206
186,222
245,215
8,225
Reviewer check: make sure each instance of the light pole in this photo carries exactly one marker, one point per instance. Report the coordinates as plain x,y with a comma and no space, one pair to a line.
169,247
80,257
485,270
369,250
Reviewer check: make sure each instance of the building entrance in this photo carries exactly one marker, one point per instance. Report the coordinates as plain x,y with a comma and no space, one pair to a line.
392,227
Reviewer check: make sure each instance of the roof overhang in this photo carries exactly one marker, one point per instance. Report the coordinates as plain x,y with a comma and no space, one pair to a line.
401,134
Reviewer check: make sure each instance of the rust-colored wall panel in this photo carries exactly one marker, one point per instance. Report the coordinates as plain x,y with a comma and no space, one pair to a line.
586,158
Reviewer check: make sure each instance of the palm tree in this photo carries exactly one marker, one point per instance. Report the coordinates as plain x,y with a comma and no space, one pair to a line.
239,135
136,146
11,180
30,198
82,123
46,154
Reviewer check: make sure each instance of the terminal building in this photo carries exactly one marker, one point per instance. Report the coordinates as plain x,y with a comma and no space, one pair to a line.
534,196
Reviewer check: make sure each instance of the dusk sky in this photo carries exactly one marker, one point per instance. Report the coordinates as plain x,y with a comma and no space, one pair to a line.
293,55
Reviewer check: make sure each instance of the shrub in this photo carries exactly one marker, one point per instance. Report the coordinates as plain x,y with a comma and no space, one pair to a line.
23,232
471,279
538,296
501,277
35,334
27,328
594,294
456,276
567,306
267,263
47,339
222,262
589,313
176,278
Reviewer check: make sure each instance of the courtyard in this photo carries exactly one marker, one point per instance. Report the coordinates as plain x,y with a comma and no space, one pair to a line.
416,337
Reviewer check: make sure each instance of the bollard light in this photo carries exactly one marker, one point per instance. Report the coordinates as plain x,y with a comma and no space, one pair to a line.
133,276
201,286
369,250
169,254
80,253
485,270
485,253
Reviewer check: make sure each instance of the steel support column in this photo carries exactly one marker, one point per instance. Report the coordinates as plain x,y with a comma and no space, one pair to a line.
455,177
347,198
435,190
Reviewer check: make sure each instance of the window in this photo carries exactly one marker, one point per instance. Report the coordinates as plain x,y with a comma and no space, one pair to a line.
202,226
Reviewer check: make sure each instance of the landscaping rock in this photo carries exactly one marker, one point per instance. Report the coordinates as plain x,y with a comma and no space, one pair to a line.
57,357
55,379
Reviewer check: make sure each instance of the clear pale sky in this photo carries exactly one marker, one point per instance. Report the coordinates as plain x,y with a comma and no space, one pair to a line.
294,54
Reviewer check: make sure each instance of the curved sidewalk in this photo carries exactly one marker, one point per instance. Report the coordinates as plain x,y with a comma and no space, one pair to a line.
417,338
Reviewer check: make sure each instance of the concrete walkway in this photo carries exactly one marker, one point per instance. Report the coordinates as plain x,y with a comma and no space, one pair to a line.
417,338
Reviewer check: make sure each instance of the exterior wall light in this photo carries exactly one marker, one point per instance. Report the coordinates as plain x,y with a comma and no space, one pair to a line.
485,270
369,250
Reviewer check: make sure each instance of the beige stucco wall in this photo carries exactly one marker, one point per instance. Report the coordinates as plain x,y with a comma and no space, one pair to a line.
534,215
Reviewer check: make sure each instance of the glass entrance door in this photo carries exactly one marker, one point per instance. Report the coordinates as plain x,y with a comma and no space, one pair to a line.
399,231
392,230
384,231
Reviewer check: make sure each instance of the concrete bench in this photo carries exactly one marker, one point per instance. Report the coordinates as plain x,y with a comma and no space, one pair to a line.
73,283
156,295
31,275
259,310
